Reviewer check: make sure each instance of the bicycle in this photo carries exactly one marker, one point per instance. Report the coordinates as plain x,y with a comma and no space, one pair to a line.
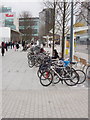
81,73
44,66
70,77
88,71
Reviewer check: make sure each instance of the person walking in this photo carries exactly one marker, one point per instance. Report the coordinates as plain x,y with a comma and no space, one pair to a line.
13,44
2,49
6,46
17,45
23,44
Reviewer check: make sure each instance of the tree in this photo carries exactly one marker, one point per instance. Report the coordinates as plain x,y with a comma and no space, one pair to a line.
25,23
51,5
62,17
84,14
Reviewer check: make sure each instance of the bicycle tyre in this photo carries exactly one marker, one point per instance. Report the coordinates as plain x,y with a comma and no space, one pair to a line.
72,81
31,63
87,70
56,79
82,76
39,73
45,79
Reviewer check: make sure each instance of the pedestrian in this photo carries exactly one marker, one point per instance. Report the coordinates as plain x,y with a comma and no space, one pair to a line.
6,46
13,44
55,54
2,49
17,45
23,44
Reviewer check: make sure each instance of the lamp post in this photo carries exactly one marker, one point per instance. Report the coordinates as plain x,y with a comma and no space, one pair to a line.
53,26
71,34
63,34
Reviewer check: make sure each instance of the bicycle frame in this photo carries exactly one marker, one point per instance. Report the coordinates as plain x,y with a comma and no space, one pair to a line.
54,71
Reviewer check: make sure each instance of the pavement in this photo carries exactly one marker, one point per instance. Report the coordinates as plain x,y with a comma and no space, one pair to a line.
24,97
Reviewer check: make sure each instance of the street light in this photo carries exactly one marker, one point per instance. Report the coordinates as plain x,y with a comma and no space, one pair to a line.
63,34
53,26
71,34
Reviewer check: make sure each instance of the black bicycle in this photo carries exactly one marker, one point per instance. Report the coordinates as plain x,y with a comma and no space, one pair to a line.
52,75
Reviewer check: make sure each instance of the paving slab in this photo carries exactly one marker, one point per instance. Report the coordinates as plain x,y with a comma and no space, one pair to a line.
24,97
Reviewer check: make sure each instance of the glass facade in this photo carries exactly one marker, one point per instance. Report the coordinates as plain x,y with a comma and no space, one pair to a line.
34,24
5,9
8,17
35,27
21,27
9,25
8,22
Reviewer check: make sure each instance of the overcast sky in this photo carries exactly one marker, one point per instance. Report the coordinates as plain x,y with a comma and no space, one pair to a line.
24,5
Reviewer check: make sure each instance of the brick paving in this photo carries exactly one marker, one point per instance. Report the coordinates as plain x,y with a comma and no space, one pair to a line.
46,103
24,97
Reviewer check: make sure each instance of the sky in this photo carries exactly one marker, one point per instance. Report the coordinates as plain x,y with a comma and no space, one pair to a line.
24,5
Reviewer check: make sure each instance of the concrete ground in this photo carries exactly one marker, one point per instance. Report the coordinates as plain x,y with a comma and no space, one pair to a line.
24,97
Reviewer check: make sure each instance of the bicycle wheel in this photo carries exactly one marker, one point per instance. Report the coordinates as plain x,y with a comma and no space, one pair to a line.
37,64
56,79
28,56
31,63
42,68
39,73
88,71
82,76
46,78
72,78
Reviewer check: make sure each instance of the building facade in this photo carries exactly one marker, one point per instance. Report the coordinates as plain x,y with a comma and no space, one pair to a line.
82,24
8,19
45,21
29,27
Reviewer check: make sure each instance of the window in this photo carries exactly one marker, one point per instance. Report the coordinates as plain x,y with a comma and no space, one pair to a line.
21,27
34,31
9,22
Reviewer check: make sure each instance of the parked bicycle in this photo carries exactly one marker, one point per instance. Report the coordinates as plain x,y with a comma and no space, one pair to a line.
61,73
54,71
